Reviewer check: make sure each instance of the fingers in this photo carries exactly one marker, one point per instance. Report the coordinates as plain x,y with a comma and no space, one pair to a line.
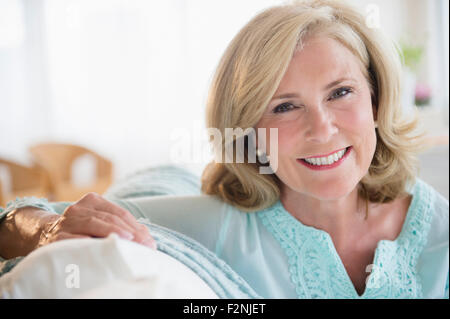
139,234
148,240
111,219
97,202
95,216
95,227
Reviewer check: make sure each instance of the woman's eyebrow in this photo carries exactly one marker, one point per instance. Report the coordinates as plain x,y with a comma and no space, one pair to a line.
334,83
284,96
327,87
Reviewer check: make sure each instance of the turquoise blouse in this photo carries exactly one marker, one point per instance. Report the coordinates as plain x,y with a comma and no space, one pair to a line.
282,258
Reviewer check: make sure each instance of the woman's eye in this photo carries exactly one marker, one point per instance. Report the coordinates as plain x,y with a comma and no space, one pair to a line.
340,93
283,108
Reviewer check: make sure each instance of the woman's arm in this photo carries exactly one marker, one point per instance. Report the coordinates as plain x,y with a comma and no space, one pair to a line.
25,229
200,217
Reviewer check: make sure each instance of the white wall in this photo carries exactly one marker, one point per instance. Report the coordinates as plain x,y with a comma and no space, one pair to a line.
121,76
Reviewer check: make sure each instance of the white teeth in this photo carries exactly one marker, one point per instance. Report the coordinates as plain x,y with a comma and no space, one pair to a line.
328,160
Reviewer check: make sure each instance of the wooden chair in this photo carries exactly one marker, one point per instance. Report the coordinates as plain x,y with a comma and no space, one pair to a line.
24,181
57,160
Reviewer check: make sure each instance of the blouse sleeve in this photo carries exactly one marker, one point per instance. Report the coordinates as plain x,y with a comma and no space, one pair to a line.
200,217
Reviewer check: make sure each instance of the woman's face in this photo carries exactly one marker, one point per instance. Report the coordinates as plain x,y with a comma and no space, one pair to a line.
325,120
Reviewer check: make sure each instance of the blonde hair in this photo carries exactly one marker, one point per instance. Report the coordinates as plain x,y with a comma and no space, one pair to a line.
250,71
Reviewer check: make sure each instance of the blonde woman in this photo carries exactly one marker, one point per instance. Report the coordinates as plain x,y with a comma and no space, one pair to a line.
342,215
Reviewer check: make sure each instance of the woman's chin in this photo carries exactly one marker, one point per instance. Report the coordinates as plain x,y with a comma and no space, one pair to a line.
321,188
331,191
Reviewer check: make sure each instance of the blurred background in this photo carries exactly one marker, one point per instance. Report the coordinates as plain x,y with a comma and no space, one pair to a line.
94,90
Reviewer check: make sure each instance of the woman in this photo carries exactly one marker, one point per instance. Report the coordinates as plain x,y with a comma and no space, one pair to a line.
341,216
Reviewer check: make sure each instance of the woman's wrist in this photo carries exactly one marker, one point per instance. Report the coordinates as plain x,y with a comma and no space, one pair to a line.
48,222
21,230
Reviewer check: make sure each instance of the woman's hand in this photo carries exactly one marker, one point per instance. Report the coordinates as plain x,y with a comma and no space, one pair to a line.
94,216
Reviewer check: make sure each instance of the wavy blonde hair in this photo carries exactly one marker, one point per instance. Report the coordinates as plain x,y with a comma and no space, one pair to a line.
250,72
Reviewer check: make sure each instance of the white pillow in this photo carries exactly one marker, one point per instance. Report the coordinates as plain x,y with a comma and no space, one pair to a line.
102,268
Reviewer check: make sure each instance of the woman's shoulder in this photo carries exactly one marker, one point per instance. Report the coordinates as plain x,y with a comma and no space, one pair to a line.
431,206
428,197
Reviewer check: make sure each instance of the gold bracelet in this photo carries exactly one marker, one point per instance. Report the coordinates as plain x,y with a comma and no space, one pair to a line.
46,232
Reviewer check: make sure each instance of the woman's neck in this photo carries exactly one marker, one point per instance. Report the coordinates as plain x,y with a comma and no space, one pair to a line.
338,217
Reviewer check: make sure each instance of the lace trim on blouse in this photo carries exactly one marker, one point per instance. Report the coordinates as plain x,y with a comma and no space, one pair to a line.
317,271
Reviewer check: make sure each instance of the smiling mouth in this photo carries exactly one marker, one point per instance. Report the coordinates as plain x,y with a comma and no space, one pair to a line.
326,160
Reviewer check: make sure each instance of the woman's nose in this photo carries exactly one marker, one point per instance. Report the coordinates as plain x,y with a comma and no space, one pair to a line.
320,125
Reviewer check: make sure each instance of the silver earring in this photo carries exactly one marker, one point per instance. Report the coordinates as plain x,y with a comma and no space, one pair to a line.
376,124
